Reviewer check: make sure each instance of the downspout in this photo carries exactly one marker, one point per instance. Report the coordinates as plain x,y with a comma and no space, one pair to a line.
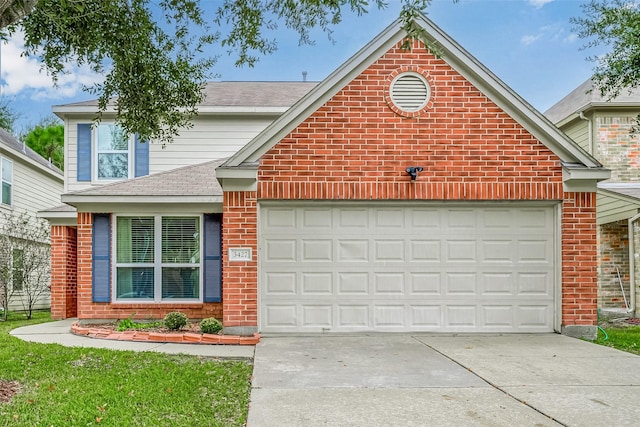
590,131
632,264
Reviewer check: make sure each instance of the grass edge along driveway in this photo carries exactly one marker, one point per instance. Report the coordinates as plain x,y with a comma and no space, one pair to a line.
67,386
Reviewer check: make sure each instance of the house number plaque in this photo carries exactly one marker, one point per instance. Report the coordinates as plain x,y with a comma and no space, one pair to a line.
239,254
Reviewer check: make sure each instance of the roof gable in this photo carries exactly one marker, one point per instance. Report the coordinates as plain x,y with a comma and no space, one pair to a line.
244,161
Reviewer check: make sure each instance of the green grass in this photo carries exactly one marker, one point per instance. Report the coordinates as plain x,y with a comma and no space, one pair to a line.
625,339
65,386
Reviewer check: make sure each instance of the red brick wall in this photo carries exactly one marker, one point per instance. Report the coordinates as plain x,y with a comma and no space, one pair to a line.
63,272
90,310
239,279
579,260
356,147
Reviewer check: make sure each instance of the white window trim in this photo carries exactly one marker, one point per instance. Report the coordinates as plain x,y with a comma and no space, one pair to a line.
95,152
157,264
2,181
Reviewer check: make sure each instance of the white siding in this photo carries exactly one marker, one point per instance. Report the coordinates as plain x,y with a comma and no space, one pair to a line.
579,132
33,190
610,208
210,138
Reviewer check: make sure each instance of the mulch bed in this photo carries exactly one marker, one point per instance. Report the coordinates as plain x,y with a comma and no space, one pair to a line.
8,389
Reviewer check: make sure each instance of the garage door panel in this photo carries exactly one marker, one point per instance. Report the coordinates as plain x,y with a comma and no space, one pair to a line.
281,250
388,283
389,250
353,250
278,283
425,251
353,283
424,283
316,283
441,269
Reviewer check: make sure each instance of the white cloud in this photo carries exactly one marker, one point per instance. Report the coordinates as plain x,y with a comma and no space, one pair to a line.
571,38
539,3
551,33
24,75
529,39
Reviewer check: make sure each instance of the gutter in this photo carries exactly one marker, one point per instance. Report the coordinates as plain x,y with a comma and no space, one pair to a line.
632,264
583,117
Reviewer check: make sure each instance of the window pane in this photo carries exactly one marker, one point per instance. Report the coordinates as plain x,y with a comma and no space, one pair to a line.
134,239
7,168
134,282
111,137
181,240
180,282
6,193
112,166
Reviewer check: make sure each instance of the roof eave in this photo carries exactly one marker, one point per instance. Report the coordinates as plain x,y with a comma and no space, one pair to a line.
580,179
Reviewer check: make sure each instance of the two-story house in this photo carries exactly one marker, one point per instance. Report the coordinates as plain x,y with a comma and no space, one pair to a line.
29,184
604,128
407,191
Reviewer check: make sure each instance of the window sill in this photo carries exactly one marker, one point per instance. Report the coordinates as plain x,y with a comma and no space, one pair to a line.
164,304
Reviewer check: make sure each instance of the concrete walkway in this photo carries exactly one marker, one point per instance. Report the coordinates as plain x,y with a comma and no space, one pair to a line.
434,380
59,333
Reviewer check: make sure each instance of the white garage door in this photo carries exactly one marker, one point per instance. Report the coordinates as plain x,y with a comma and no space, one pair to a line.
446,268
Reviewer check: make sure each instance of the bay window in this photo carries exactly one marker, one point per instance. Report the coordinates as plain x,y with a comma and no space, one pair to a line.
157,258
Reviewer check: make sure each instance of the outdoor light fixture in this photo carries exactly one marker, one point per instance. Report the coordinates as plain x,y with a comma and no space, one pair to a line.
413,171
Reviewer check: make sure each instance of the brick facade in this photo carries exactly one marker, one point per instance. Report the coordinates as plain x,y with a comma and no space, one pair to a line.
63,272
357,148
617,148
579,260
87,309
613,247
240,278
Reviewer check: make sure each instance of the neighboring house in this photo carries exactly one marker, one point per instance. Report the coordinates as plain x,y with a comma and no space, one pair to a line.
29,184
602,127
406,192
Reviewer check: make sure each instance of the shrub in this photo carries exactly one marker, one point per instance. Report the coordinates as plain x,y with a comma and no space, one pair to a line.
210,325
175,320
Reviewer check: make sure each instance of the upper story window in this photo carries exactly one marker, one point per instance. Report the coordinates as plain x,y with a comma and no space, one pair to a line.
6,167
106,153
113,153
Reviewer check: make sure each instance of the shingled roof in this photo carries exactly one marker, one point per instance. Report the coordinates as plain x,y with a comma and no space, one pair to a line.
236,94
196,181
11,142
587,96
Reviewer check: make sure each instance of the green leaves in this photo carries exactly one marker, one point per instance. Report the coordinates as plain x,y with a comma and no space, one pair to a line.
615,25
152,53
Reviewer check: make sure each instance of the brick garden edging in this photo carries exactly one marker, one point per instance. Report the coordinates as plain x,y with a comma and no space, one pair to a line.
180,338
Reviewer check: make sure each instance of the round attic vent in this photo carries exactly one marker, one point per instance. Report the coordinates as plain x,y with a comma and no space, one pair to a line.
410,92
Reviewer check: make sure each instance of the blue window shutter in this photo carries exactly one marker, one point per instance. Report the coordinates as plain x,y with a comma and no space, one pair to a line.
141,157
212,262
84,152
101,245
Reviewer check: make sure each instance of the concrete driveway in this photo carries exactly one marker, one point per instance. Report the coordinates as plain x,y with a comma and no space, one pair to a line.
435,380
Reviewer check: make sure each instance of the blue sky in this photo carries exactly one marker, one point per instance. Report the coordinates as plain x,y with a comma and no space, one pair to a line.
529,44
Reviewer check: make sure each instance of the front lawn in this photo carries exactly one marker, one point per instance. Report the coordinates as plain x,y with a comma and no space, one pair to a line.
625,338
62,386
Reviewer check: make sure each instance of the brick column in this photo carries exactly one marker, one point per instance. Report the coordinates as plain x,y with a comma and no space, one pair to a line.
579,265
240,278
63,272
85,222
